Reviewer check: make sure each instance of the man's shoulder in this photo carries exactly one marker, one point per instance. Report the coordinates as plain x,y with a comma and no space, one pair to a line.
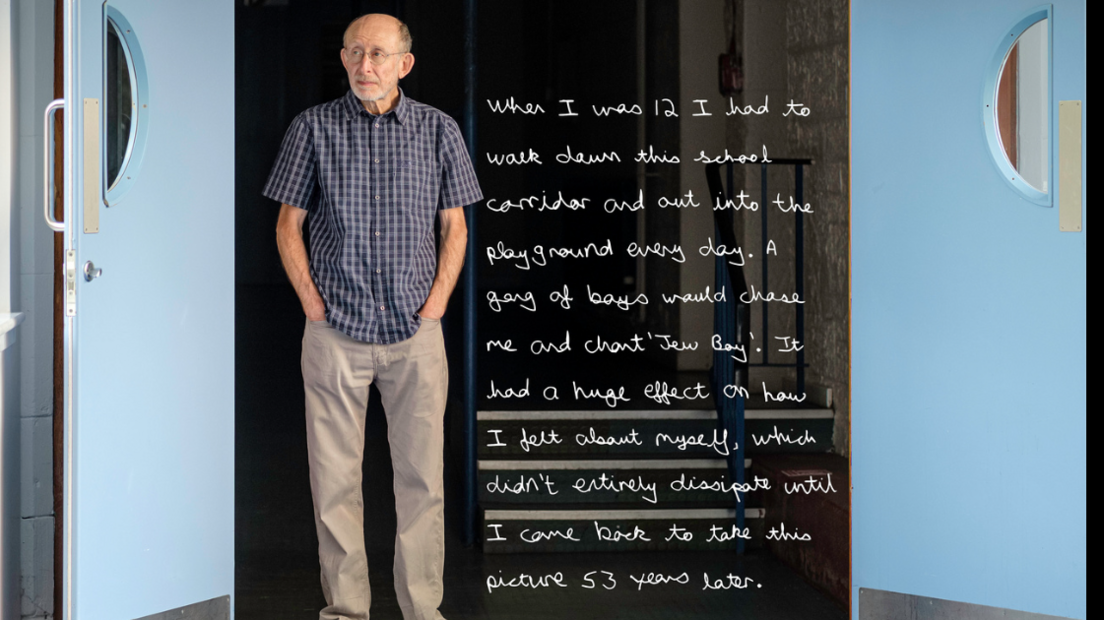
425,113
323,112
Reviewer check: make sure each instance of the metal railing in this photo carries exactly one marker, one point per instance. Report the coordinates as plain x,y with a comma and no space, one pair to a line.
732,316
799,261
732,326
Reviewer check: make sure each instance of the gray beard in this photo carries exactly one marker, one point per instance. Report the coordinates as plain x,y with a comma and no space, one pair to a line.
373,99
376,98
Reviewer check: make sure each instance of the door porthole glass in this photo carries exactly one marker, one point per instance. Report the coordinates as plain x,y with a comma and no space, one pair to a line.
1016,106
121,104
126,106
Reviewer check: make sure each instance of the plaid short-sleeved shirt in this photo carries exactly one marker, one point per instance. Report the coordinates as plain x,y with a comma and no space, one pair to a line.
372,186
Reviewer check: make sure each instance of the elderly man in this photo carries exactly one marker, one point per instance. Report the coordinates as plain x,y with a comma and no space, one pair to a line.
371,170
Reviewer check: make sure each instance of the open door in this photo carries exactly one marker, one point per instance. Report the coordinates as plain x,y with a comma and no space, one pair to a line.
969,319
149,305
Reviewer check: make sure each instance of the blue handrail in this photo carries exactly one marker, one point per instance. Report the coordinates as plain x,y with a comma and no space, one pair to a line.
799,260
470,448
731,323
732,317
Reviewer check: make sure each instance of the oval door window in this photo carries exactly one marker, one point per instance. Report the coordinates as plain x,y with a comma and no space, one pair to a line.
126,107
1017,107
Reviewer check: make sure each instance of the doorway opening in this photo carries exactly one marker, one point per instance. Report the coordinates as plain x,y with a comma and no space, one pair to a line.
628,53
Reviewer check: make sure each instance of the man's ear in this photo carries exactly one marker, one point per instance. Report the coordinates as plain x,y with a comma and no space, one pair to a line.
407,64
344,62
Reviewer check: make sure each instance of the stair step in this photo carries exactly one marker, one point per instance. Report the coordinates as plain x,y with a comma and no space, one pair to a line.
576,530
683,432
625,481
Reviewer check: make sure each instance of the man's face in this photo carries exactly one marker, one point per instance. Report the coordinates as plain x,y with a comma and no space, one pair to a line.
370,82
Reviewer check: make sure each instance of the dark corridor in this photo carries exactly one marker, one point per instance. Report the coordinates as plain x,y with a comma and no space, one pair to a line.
287,60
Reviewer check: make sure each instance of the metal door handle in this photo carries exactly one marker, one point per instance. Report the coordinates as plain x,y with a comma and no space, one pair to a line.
48,134
91,272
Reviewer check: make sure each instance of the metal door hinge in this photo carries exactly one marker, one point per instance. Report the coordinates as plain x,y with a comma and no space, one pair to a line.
70,283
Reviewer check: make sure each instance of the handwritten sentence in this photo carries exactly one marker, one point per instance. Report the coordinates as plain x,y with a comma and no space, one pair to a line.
660,107
625,301
604,533
607,580
526,301
531,156
531,441
635,344
740,201
608,482
538,255
659,392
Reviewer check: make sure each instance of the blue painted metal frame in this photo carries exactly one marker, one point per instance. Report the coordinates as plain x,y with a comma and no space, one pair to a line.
989,106
139,126
470,448
799,261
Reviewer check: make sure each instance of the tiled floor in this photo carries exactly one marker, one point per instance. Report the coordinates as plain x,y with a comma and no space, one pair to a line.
277,568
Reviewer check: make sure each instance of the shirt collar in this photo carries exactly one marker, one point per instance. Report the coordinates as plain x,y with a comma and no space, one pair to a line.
353,107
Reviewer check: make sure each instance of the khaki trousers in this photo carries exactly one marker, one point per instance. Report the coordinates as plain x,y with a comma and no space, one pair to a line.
412,377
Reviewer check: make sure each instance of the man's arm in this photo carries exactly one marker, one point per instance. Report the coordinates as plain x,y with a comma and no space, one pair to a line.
450,258
293,253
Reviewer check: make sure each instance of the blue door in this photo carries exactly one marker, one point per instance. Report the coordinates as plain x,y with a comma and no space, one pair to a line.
149,417
968,342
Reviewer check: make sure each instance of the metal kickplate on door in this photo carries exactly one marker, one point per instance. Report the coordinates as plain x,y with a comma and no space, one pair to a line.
214,609
885,605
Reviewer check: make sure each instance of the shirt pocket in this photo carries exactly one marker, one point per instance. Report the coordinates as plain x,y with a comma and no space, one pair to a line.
414,189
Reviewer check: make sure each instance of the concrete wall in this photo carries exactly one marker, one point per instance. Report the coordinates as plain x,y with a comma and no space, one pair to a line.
9,450
32,294
798,50
7,151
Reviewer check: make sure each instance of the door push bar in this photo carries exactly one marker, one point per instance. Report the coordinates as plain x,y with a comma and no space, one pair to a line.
47,167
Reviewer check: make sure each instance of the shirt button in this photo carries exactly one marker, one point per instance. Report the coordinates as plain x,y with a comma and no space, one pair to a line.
377,233
377,161
377,124
377,271
381,307
377,197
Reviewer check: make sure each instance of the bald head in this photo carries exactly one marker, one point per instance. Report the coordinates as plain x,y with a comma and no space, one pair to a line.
380,20
376,55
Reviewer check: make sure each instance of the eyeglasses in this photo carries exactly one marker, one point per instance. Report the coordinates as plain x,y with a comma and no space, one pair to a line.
378,57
